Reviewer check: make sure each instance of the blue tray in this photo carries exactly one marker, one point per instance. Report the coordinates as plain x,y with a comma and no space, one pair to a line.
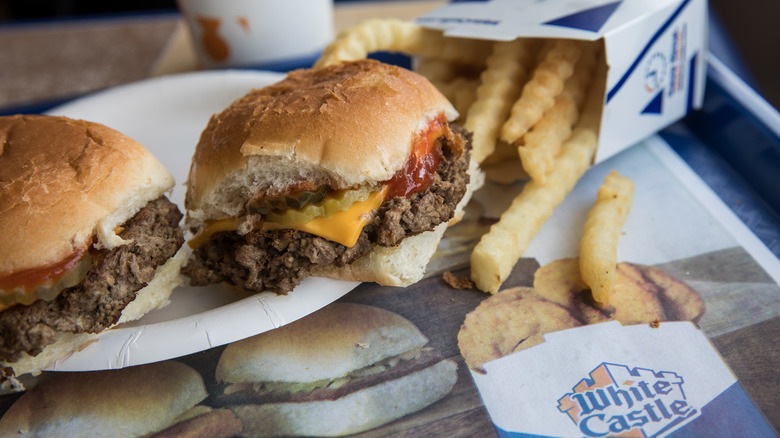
733,144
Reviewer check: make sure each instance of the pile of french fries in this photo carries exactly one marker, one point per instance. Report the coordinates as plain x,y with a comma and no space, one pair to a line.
539,99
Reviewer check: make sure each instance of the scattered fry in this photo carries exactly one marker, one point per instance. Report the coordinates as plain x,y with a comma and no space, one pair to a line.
539,92
598,247
498,250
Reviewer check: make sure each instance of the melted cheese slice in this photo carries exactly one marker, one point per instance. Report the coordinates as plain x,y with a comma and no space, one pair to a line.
343,227
205,233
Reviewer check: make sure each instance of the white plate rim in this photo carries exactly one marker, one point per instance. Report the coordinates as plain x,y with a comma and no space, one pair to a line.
139,343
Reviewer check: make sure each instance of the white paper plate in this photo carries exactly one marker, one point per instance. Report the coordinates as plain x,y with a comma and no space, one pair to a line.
167,115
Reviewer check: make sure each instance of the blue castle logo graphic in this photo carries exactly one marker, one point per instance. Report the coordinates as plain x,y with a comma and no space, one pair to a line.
619,401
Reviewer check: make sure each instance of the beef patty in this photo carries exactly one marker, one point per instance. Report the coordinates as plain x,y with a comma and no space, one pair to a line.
278,260
111,283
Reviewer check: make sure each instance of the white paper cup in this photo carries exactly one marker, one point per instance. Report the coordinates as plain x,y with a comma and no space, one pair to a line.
268,34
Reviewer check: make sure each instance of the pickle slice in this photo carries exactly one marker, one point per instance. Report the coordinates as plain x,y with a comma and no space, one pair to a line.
279,205
307,198
291,215
49,292
333,203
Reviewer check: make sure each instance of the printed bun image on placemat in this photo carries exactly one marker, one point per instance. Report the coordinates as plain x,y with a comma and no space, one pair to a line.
160,399
344,369
515,319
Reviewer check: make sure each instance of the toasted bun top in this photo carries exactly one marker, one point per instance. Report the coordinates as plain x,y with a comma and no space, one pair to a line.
128,402
62,181
326,344
343,125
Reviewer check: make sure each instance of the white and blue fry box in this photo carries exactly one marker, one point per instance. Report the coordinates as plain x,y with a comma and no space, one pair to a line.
641,381
655,52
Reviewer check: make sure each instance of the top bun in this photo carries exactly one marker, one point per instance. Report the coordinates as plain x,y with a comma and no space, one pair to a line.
326,344
63,181
342,125
129,402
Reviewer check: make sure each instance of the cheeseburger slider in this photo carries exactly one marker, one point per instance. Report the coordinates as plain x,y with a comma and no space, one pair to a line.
344,369
351,171
87,236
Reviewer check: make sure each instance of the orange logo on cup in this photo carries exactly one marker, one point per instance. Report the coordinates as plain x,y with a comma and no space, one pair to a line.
244,23
214,45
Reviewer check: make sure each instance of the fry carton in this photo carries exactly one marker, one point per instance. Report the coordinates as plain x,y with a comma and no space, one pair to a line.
655,52
634,388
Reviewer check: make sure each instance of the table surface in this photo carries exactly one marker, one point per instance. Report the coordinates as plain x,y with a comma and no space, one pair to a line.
52,61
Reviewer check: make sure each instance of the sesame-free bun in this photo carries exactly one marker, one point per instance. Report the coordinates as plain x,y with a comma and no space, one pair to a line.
343,125
128,402
63,181
66,184
330,344
356,412
327,344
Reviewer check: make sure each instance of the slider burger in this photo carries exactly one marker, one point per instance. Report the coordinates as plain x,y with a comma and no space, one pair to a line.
351,171
87,237
341,370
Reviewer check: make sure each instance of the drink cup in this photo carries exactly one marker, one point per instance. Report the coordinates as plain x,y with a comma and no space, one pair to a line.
268,34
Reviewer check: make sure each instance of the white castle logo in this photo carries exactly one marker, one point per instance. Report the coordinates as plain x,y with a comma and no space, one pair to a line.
617,401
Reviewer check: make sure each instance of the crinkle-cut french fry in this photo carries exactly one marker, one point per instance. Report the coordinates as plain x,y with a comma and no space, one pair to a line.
601,232
590,118
466,51
543,142
501,85
500,248
370,36
498,251
436,69
548,44
461,91
394,35
502,153
578,85
539,92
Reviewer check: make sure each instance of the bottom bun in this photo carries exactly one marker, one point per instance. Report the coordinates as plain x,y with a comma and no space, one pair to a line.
400,265
154,295
355,412
157,293
404,264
